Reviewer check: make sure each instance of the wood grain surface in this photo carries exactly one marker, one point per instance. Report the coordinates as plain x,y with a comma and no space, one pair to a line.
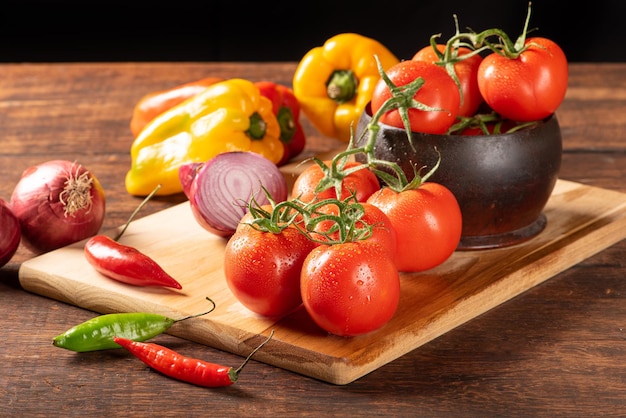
555,350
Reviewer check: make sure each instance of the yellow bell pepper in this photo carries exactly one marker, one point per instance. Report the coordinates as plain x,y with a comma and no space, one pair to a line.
334,82
231,115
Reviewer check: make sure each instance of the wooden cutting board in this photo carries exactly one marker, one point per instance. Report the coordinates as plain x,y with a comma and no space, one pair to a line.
582,221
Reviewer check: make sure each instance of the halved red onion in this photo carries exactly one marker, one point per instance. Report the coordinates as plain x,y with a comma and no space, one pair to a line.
220,190
58,203
187,173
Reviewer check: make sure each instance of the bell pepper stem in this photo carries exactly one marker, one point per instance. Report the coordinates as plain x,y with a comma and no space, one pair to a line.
342,86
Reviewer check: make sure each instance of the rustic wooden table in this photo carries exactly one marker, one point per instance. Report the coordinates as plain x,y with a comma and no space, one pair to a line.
556,350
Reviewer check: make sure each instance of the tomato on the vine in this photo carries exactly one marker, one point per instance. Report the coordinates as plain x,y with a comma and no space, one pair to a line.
351,288
527,88
361,182
427,221
466,71
262,269
439,92
382,232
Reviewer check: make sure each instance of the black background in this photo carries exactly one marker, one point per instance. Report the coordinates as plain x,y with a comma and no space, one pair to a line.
66,31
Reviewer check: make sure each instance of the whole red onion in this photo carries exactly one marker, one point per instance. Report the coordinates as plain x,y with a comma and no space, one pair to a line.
9,233
58,203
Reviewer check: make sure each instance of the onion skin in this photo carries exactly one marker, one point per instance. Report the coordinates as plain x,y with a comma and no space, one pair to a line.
51,218
10,234
187,174
220,190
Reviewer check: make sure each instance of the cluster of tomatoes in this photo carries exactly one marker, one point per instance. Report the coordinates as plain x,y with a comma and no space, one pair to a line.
340,250
339,246
521,82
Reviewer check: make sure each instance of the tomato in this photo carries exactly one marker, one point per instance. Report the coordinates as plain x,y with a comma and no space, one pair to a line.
350,289
362,182
427,221
492,128
528,88
262,269
439,91
466,72
383,232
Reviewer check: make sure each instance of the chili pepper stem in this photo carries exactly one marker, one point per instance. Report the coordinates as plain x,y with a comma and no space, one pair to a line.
235,372
136,211
199,314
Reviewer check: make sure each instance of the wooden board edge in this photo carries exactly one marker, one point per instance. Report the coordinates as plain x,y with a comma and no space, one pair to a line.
339,370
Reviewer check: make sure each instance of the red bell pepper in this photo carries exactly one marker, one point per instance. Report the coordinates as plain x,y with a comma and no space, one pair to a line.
287,110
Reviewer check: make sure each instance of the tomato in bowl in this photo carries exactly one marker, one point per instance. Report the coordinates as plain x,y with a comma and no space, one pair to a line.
501,181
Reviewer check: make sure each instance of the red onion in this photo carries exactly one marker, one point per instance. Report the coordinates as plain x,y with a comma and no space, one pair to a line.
187,173
220,189
57,203
9,233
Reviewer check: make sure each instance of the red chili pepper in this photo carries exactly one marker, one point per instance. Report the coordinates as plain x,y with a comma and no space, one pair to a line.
186,369
124,263
287,110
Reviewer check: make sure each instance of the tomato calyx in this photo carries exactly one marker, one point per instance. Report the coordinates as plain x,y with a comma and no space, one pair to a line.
341,86
336,171
398,181
345,222
333,174
488,124
450,55
506,47
479,121
479,42
273,217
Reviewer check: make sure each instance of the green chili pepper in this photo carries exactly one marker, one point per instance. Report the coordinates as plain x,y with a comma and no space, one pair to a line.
97,333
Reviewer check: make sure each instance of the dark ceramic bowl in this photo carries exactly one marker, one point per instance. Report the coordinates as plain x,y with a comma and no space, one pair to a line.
502,182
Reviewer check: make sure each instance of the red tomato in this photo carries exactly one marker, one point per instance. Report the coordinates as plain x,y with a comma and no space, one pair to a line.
528,88
262,269
466,72
350,289
362,182
383,232
492,127
439,91
427,221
